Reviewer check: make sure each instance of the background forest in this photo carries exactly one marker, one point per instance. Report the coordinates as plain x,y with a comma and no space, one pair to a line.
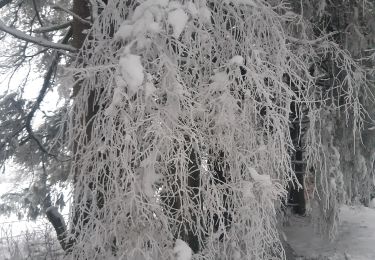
186,129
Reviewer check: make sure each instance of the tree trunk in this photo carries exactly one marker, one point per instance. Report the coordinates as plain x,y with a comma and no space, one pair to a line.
297,190
81,8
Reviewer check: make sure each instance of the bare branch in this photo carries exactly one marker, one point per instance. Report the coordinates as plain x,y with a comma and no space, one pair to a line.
53,27
40,41
80,19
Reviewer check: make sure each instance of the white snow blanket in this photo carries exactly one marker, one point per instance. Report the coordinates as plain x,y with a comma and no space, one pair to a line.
355,239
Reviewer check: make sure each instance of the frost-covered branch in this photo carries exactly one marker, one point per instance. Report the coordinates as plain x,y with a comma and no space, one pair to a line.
79,19
312,41
40,41
53,27
187,112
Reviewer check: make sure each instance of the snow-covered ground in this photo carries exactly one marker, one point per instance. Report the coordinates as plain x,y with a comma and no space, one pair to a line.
355,239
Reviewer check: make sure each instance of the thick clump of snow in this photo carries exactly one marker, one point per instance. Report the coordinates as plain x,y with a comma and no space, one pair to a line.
124,32
178,19
132,71
149,175
182,250
237,60
265,179
149,89
355,239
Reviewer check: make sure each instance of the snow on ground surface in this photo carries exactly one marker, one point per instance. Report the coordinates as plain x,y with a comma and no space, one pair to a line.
355,239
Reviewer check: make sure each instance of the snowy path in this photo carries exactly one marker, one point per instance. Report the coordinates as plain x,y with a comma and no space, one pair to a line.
355,240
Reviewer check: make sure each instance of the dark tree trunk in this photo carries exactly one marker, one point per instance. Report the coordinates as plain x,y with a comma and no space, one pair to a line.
194,183
297,193
80,8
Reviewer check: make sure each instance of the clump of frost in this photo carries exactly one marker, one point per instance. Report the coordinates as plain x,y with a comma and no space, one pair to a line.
149,89
237,60
182,250
236,255
333,184
132,71
247,190
116,100
264,179
177,19
219,80
205,14
149,176
124,32
192,8
145,20
149,179
200,11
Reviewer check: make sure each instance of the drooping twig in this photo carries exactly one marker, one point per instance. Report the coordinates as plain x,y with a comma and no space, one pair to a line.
40,41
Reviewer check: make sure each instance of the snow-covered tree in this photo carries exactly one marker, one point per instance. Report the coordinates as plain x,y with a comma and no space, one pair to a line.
34,41
190,120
